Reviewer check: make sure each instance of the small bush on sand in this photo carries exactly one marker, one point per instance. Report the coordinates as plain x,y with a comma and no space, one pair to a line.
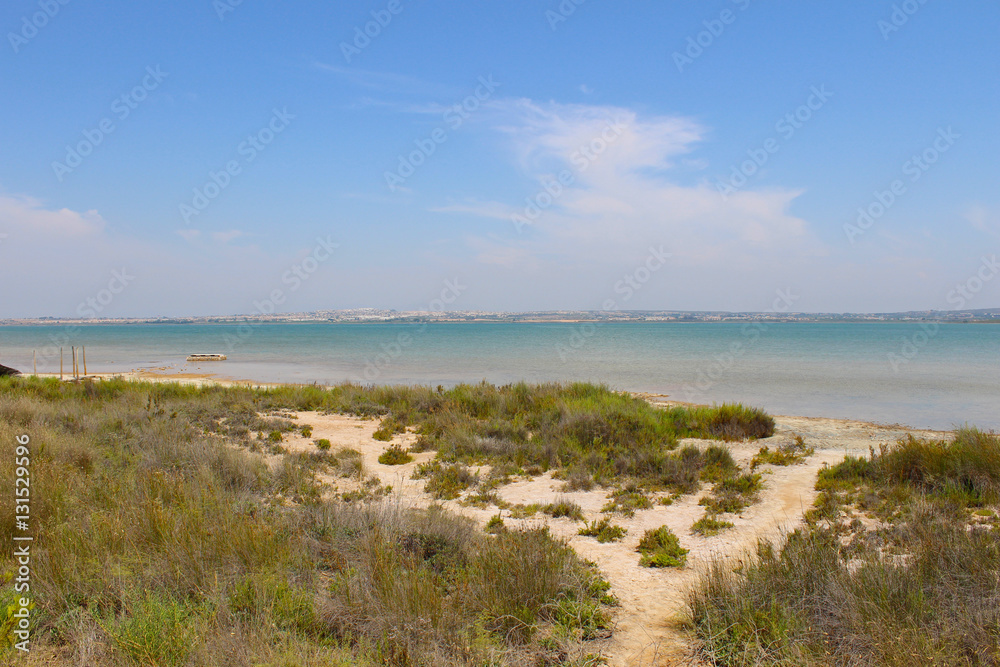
661,548
709,525
727,422
564,508
394,456
389,427
445,481
733,494
603,530
627,501
323,444
785,455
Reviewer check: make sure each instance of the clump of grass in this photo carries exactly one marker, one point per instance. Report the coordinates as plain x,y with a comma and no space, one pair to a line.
495,525
157,630
323,444
445,481
275,436
785,455
710,525
483,498
579,479
729,422
389,427
394,456
718,464
564,508
371,489
733,494
626,501
348,462
520,511
603,530
306,431
661,548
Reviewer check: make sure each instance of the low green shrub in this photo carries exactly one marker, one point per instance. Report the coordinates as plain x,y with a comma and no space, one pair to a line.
661,548
564,508
603,530
445,481
710,525
626,501
785,455
394,456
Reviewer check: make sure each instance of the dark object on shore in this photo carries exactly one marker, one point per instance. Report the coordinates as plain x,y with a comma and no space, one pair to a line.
5,371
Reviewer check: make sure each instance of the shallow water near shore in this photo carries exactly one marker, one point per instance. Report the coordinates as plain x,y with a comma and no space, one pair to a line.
921,375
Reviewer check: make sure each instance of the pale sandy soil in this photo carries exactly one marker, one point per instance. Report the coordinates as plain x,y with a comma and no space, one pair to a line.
648,628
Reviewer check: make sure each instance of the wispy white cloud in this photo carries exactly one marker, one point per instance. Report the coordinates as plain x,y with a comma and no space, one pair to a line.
622,193
29,215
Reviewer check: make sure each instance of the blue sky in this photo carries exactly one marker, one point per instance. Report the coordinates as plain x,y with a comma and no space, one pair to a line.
641,122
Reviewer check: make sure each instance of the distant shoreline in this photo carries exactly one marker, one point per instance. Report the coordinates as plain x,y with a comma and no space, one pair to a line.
986,316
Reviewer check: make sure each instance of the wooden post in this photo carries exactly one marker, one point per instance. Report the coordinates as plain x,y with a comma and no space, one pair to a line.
34,361
84,361
60,363
72,360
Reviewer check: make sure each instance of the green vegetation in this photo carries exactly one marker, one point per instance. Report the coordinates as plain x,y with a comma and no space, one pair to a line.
164,538
564,508
965,471
727,422
788,454
323,444
445,481
394,456
898,567
347,463
733,494
495,525
710,525
661,548
627,501
603,530
389,427
307,431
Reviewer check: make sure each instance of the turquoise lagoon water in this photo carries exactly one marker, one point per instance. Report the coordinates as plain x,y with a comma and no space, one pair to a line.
921,376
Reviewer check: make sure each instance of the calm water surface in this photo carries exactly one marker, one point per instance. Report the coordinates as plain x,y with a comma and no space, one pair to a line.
885,372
